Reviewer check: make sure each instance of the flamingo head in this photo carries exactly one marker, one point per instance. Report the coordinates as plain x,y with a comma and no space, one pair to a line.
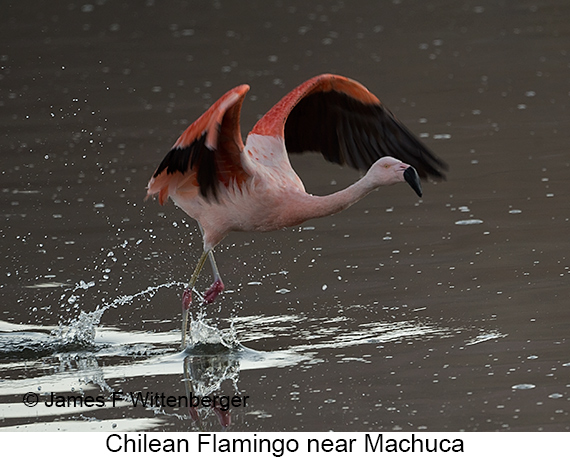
388,170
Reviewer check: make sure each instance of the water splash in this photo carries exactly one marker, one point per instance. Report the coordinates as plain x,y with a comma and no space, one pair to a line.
80,332
487,335
82,329
206,336
76,334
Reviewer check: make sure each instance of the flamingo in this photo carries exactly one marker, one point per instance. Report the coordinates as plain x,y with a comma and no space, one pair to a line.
228,186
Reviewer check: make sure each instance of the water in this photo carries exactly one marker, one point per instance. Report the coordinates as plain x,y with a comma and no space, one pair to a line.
441,314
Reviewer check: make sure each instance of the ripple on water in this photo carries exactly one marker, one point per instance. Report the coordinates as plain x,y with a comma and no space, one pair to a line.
469,222
523,386
556,395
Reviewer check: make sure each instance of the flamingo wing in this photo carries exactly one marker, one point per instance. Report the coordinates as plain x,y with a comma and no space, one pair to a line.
341,119
207,154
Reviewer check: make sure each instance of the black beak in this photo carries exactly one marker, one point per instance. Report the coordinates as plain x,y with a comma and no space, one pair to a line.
412,178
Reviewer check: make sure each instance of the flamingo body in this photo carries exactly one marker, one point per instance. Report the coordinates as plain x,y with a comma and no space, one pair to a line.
228,186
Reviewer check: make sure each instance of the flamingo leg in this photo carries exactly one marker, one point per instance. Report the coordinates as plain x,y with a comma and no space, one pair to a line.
210,295
217,286
187,295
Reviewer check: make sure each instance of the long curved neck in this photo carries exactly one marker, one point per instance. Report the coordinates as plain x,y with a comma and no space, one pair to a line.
313,206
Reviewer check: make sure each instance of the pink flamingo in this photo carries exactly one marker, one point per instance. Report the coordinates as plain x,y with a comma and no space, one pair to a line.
228,186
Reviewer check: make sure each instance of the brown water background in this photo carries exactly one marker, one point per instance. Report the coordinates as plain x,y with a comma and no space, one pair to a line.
442,314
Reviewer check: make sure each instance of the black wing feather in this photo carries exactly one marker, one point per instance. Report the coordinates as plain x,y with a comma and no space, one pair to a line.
348,131
195,156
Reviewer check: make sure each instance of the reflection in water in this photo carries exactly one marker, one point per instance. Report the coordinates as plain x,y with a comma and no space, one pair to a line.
203,379
84,358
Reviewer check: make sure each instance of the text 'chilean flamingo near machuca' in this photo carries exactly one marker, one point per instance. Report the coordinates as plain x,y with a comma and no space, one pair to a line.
228,186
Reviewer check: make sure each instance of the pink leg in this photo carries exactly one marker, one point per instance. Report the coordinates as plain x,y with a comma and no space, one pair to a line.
217,286
186,299
213,291
209,297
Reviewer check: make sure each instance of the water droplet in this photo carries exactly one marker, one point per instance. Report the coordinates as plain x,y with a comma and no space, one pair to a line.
523,386
469,222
